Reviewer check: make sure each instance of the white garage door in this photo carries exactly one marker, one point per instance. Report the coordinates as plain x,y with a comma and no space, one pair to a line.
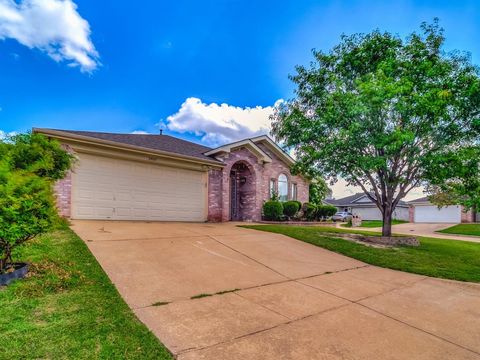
374,213
368,213
107,188
432,214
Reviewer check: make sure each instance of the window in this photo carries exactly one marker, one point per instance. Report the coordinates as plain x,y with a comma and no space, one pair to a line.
272,187
282,188
294,191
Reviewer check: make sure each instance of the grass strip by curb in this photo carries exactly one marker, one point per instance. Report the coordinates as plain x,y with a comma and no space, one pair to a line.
67,308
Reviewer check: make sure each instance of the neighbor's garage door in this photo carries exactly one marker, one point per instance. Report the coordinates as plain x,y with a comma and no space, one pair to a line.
368,213
432,214
107,188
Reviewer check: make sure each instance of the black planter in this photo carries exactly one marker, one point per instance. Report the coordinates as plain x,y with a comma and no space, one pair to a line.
20,271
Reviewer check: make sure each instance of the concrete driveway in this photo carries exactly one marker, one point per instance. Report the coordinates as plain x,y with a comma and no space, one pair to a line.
428,230
284,299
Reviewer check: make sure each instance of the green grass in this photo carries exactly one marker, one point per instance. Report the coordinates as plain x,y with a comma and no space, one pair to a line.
226,291
463,229
375,223
160,303
199,296
67,308
449,259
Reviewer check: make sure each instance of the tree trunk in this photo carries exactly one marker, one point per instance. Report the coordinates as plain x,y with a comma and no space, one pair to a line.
387,221
7,256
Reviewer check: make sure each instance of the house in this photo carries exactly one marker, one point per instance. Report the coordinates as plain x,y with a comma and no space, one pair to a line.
423,211
163,178
361,204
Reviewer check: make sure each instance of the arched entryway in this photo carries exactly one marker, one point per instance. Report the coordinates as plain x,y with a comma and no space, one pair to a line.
242,192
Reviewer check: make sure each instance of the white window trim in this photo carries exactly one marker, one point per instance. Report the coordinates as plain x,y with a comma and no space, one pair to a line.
286,196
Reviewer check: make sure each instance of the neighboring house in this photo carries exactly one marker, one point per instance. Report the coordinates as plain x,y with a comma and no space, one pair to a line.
423,211
360,204
163,178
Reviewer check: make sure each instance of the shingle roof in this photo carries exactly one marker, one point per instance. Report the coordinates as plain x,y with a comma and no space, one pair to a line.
155,142
346,200
350,200
422,199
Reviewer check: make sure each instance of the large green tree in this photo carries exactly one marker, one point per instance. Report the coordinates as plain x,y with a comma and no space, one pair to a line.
382,112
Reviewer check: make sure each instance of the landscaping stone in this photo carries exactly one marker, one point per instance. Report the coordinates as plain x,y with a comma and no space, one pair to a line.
299,223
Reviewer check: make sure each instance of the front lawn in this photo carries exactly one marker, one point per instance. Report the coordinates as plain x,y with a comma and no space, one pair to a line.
375,223
449,259
463,229
68,309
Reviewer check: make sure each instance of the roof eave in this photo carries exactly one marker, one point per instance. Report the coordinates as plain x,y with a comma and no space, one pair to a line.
277,149
262,156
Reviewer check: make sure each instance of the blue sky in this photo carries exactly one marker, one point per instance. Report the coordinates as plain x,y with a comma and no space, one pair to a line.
136,64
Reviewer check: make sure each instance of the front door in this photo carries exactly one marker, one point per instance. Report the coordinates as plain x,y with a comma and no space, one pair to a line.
234,196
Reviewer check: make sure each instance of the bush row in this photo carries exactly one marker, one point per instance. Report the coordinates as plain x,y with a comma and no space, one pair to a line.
318,212
274,210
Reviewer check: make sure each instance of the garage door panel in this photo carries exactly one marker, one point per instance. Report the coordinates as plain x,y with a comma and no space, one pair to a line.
432,214
119,189
124,212
123,196
95,211
368,213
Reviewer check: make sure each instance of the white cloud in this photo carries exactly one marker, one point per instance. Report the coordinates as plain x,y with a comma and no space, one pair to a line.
52,26
139,132
4,134
219,124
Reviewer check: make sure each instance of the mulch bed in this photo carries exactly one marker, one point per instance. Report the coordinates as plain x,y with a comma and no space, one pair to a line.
301,223
388,241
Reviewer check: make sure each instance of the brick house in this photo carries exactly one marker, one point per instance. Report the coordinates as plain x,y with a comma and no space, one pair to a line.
163,178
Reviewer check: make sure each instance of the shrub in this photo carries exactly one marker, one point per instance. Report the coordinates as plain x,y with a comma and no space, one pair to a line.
272,210
29,165
299,204
310,211
324,211
330,210
290,208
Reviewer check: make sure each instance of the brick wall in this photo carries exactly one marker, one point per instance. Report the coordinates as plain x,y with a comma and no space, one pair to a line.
257,189
63,194
274,169
411,214
63,190
245,156
467,216
215,183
